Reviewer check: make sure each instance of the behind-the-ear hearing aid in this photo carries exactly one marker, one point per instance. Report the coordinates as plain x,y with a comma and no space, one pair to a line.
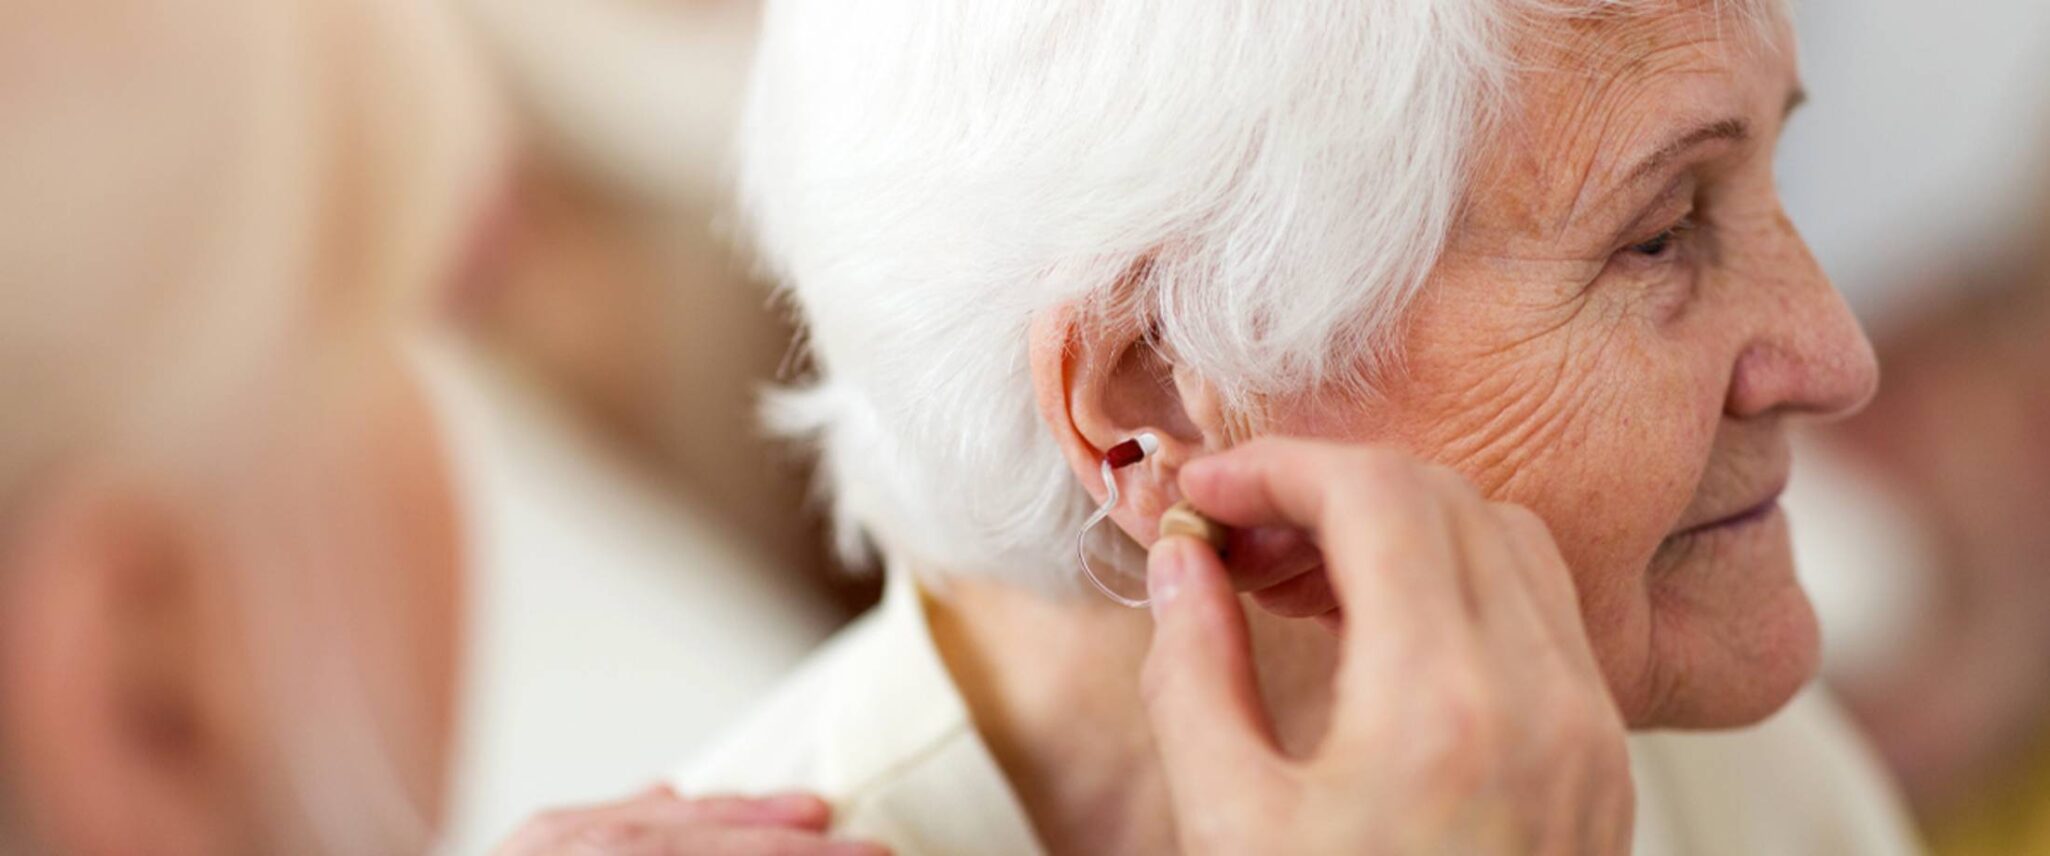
1182,519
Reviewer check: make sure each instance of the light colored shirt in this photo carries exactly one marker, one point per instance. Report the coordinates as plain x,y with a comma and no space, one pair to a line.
875,725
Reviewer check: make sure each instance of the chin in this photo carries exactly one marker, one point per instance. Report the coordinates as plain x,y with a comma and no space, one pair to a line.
1732,634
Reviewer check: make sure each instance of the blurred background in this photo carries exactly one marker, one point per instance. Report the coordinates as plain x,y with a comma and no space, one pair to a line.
379,464
1920,174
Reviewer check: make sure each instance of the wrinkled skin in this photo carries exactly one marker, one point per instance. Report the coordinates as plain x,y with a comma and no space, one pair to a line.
1616,347
1632,382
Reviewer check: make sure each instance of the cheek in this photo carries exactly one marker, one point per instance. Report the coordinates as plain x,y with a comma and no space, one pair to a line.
1623,464
1602,424
1615,483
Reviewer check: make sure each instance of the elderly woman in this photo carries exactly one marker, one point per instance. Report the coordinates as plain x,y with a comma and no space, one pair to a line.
1513,275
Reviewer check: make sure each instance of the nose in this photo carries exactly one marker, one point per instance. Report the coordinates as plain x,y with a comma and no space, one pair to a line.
1808,354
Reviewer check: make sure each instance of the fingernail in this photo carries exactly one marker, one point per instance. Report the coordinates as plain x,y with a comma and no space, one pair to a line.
1167,568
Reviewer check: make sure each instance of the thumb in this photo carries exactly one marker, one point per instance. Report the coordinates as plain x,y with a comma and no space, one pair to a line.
1208,722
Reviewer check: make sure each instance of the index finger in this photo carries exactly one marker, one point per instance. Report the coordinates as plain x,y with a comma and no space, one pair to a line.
1385,533
1201,693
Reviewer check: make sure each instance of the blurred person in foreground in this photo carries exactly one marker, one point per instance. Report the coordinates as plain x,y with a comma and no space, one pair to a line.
1482,323
236,586
605,376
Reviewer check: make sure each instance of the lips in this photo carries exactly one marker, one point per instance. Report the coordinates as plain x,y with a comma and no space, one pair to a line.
1751,514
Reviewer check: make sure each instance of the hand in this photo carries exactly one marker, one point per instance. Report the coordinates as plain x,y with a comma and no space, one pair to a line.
660,823
1470,715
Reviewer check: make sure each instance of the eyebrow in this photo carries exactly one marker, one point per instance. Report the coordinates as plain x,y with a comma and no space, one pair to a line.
1732,129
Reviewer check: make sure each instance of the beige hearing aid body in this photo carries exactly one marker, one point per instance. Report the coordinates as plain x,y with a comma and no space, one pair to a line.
1183,519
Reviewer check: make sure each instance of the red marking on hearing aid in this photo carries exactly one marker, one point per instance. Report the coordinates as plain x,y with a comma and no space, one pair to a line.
1124,454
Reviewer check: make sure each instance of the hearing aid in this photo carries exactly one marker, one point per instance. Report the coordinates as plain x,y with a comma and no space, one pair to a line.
1181,519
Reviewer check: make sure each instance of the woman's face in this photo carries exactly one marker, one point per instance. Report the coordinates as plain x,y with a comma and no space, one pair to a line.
1617,336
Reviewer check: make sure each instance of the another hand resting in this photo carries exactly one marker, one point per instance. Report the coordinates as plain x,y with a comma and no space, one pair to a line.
660,823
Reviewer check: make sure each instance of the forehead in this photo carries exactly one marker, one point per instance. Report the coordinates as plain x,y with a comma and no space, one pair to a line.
1591,95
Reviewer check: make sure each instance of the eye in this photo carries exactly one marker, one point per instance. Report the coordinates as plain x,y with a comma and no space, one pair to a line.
1663,244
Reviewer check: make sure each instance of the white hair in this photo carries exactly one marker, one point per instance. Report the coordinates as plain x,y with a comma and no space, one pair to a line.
923,178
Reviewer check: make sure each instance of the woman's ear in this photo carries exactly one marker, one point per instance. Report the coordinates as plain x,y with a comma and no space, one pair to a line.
1101,380
101,703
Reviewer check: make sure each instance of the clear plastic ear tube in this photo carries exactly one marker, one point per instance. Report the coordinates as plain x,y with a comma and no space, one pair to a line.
1182,519
1116,458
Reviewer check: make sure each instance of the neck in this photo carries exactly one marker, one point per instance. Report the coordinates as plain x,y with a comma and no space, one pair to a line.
1053,686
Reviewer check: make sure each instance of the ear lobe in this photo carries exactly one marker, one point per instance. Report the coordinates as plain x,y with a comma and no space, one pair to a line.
98,678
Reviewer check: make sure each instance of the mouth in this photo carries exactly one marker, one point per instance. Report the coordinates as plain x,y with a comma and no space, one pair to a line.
1754,513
